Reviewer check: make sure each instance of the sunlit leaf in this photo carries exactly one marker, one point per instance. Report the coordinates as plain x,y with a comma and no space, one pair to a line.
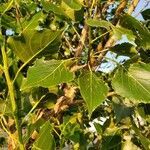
142,33
33,22
92,89
99,23
120,33
6,6
74,4
133,84
48,6
47,73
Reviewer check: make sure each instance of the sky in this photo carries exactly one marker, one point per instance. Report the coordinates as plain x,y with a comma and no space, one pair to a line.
109,66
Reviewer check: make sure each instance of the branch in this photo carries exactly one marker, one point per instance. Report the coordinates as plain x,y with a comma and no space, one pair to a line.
84,36
133,6
111,40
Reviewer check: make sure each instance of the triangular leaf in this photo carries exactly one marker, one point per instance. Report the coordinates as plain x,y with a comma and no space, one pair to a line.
134,83
92,89
45,140
26,47
47,73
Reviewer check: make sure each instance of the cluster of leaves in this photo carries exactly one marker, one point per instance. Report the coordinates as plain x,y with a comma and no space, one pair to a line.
54,93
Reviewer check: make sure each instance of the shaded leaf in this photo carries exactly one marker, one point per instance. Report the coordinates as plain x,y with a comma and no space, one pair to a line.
144,141
133,84
99,23
111,142
121,110
126,49
26,47
92,89
8,22
45,139
146,14
47,73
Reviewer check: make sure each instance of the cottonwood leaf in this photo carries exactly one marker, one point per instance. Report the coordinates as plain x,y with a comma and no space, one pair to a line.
146,14
47,73
120,33
33,22
142,33
134,83
45,140
48,6
6,6
99,23
32,42
74,4
93,90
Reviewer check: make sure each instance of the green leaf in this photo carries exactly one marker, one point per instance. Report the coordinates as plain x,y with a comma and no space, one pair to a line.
8,22
121,110
144,141
99,23
74,4
68,11
26,46
146,14
142,33
45,140
111,142
125,49
134,83
47,73
92,89
33,22
48,6
119,32
6,6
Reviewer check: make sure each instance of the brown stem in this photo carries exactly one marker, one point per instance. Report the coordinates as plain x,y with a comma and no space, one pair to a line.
84,36
111,40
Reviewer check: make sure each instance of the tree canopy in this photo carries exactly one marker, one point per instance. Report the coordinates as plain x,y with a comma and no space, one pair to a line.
74,74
